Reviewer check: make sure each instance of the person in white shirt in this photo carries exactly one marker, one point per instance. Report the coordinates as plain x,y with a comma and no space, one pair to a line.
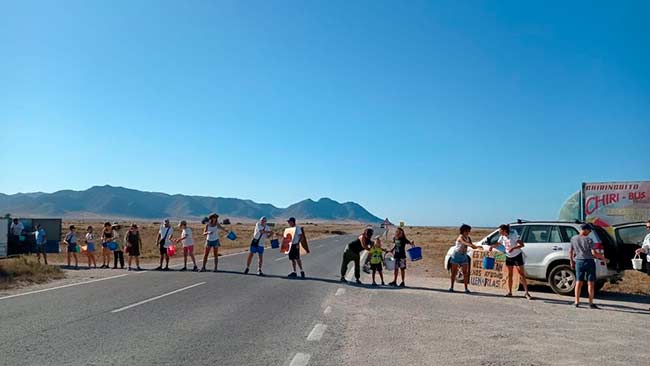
645,247
89,239
187,241
294,250
15,232
510,240
260,234
164,240
40,237
211,233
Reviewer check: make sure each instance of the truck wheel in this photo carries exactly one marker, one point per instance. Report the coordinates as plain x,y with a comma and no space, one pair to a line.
562,279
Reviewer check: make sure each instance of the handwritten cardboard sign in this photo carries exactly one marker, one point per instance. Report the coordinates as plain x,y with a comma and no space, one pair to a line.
495,278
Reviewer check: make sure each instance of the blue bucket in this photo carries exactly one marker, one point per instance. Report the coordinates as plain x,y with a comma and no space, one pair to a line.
488,262
232,235
275,243
415,253
112,246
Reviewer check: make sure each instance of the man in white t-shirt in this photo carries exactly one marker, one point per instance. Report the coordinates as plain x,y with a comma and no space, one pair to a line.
15,232
260,234
645,247
187,241
510,240
164,240
294,250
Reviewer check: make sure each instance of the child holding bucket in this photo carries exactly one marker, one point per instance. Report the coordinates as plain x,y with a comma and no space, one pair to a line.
459,258
89,239
399,254
376,255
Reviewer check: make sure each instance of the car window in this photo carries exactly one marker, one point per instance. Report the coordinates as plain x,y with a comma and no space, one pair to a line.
568,232
518,228
555,235
538,234
632,234
494,237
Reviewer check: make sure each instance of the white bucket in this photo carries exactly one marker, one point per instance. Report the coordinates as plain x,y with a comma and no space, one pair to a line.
389,263
637,263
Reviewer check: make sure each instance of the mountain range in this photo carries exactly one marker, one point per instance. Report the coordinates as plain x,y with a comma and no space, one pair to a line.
119,202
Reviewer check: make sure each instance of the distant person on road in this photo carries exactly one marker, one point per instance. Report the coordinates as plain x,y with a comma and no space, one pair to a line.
89,240
459,257
399,254
211,233
133,245
352,253
645,247
118,254
164,240
70,240
386,227
107,237
294,249
257,245
376,255
582,254
510,240
187,241
41,240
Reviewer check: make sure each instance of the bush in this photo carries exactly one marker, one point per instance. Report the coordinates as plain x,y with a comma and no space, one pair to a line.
13,271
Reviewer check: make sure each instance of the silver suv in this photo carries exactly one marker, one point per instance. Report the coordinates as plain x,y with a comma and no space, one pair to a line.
547,253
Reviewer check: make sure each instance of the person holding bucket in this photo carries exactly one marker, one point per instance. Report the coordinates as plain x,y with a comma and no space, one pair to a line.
133,245
211,233
107,238
89,240
257,245
399,255
645,247
164,240
70,241
582,254
352,253
118,253
510,240
460,258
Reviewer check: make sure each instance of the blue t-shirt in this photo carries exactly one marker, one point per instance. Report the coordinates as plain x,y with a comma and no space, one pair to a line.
40,236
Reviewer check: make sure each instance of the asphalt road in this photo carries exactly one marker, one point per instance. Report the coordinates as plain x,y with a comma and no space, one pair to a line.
227,318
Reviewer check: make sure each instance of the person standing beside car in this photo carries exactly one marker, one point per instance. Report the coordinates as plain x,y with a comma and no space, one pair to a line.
645,247
582,254
460,258
510,240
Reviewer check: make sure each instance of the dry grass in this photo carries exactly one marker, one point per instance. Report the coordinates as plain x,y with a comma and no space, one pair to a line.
18,271
634,282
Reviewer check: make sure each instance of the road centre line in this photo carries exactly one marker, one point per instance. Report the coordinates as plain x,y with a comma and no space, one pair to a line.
300,359
317,333
65,286
327,310
281,258
156,297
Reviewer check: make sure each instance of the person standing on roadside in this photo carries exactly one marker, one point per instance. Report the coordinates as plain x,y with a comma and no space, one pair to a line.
107,237
645,247
212,242
89,239
352,253
133,245
164,240
41,240
510,240
399,254
70,241
257,245
187,241
582,254
294,249
15,232
459,258
118,254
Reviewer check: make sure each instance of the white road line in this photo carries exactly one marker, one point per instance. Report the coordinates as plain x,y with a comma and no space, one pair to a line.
350,275
156,297
300,359
64,286
340,292
199,258
281,258
317,333
327,310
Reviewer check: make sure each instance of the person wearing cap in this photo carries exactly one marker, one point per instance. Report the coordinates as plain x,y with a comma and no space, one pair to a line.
509,239
133,245
70,240
582,254
118,254
212,242
188,245
257,245
294,250
164,240
645,247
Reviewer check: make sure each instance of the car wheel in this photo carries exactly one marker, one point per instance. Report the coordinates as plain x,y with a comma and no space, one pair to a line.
562,279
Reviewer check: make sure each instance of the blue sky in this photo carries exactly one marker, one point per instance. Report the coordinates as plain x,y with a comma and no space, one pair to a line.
432,112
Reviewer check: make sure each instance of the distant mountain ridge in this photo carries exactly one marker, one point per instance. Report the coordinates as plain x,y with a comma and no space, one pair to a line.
109,201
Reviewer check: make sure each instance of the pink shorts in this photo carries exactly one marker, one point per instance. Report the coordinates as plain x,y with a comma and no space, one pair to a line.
188,250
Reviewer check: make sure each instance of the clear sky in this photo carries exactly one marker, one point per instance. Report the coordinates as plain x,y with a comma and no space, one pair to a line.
432,112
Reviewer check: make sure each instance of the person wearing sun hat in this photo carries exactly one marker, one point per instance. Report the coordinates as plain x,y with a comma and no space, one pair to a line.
212,242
